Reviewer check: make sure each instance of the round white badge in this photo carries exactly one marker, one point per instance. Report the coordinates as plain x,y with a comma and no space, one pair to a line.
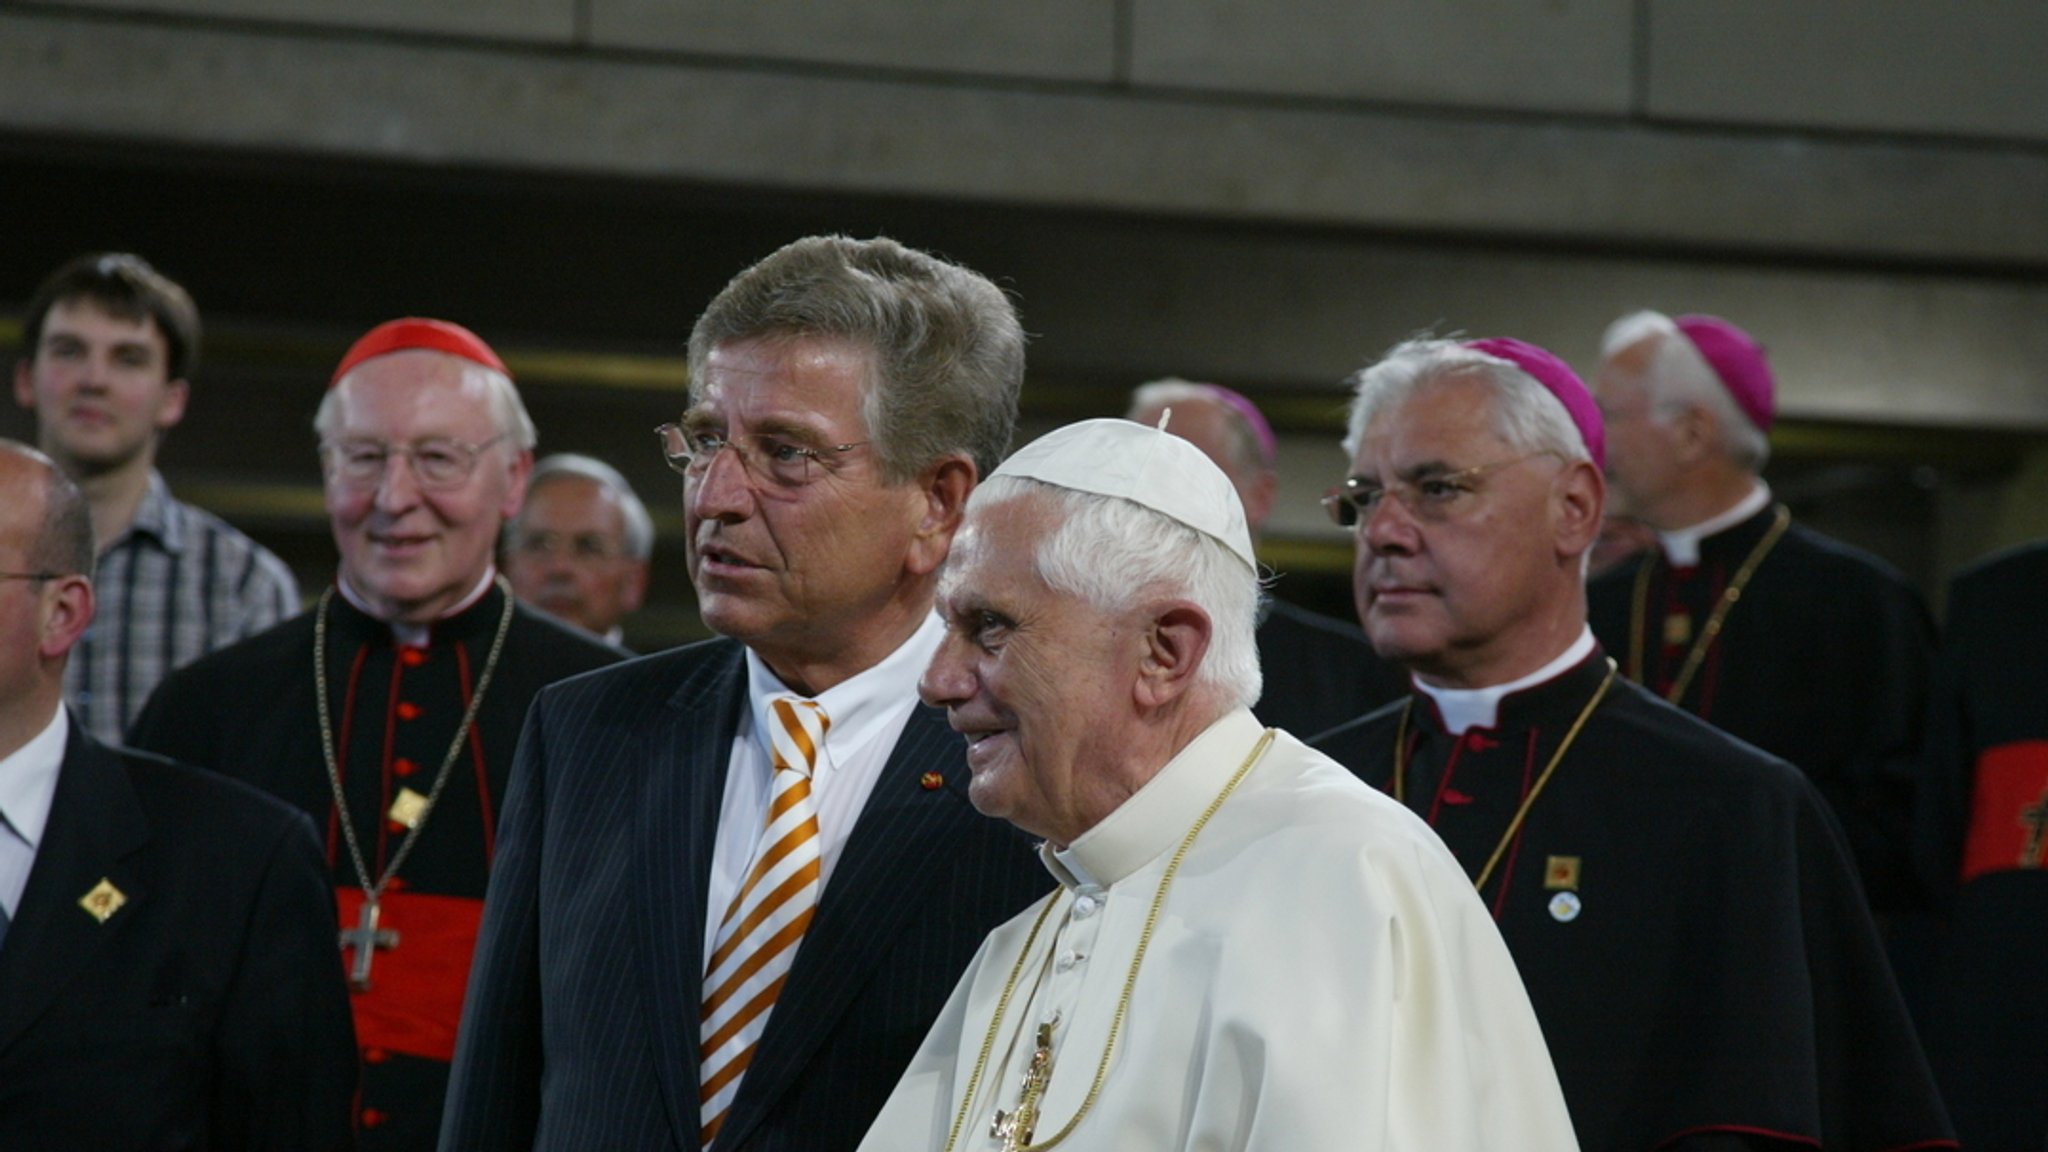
1564,907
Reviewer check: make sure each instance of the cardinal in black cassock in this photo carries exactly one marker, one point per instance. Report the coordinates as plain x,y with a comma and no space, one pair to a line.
250,712
1984,842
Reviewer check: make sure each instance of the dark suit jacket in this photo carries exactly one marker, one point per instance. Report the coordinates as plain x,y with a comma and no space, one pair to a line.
208,1010
581,1029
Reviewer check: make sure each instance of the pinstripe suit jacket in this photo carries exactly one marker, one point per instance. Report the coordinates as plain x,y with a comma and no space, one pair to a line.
580,1030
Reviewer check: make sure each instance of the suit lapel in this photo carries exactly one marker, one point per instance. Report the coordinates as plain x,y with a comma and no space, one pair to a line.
687,745
96,822
873,888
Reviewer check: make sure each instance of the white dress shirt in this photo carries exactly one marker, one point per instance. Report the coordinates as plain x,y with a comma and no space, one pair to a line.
867,714
28,786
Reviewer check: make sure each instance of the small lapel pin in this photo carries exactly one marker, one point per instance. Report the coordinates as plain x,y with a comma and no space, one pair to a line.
409,809
1564,907
931,781
1561,872
103,901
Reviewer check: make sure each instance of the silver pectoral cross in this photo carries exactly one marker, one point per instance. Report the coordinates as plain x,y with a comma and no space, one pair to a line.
366,938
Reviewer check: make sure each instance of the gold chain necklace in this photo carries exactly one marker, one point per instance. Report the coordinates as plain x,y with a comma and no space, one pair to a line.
1123,1001
365,936
1640,606
1529,801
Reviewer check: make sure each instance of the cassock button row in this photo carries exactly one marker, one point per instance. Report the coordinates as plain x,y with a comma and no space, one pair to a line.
404,767
412,657
373,1118
1067,960
375,1055
1085,907
407,710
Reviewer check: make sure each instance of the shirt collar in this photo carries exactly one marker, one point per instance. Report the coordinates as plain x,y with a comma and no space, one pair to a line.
860,706
28,780
1154,818
416,635
1463,708
1682,546
154,515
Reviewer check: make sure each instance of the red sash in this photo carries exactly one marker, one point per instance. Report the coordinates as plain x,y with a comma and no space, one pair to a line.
2008,810
416,988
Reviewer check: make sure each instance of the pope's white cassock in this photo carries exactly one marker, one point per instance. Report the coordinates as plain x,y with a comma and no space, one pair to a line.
1320,976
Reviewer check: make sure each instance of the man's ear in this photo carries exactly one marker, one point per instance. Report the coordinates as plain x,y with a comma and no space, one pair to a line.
172,409
67,609
25,383
1175,644
944,489
515,492
1579,500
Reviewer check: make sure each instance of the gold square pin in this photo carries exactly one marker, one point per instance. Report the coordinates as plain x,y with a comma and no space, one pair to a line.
1677,629
409,809
1561,872
103,901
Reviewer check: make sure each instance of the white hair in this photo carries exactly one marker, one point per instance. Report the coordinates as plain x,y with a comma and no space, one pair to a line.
1525,414
639,526
1678,377
508,411
1110,551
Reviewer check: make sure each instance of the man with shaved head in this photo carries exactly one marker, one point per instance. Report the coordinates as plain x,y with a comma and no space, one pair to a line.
167,968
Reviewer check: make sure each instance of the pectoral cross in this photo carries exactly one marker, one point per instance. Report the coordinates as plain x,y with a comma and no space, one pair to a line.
1014,1129
2034,818
366,938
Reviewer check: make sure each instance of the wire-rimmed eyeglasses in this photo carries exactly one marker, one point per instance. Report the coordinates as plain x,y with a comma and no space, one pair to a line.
436,463
771,459
1430,495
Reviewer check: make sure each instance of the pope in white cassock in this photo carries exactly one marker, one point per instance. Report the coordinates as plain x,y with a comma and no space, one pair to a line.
1248,948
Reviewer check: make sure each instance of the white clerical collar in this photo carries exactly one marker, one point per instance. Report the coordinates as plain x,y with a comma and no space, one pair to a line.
1682,546
1152,820
862,705
28,780
415,635
1463,708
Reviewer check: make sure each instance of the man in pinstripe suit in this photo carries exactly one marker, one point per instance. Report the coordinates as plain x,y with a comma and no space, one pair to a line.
737,881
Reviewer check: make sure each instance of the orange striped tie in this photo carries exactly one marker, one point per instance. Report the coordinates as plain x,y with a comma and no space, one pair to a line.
757,940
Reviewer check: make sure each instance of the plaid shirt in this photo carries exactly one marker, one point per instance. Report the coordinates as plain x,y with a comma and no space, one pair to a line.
177,585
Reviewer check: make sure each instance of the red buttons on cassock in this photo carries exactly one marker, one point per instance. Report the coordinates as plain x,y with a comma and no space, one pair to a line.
404,767
412,657
372,1118
407,710
375,1055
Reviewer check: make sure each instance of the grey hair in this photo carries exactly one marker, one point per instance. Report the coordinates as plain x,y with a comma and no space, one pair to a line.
508,411
1525,414
1247,455
1110,551
1679,377
946,344
63,543
639,525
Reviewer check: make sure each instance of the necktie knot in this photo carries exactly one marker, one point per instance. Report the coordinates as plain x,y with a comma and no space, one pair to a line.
797,736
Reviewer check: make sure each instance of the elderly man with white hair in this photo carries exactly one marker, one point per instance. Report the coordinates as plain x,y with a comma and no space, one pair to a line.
1247,949
1804,646
580,544
1679,903
391,710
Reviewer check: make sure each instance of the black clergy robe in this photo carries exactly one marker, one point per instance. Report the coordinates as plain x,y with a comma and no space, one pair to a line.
1984,841
1823,661
1684,916
1319,672
249,711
